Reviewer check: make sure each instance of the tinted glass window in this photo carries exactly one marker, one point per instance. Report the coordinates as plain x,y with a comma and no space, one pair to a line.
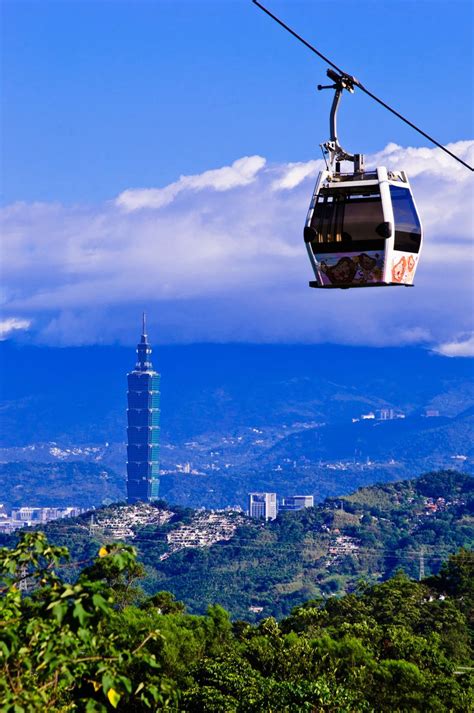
347,215
407,224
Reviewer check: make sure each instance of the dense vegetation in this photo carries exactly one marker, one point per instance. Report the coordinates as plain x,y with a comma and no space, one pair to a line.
290,560
266,570
99,644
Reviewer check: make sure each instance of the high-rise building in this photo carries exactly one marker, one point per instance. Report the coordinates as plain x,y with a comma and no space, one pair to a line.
143,432
296,502
263,505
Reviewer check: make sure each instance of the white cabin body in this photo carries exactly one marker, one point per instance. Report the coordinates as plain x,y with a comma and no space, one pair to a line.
363,230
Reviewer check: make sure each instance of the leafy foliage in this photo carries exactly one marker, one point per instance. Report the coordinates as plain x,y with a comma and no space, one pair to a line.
96,644
56,645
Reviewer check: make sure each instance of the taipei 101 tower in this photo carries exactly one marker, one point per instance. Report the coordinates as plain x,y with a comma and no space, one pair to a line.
143,432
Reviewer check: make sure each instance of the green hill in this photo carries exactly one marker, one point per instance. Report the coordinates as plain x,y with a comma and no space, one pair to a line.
255,569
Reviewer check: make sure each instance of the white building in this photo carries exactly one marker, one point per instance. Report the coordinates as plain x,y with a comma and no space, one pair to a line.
27,516
263,505
296,502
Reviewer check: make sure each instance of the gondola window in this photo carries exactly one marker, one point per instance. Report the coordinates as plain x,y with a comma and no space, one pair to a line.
347,217
407,224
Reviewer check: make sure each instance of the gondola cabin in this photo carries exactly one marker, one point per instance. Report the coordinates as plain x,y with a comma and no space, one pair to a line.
363,230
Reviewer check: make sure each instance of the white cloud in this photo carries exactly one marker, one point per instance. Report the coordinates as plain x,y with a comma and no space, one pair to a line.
241,173
11,324
295,173
427,161
220,256
463,347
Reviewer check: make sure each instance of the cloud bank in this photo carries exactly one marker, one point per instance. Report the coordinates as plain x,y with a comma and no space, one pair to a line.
463,347
12,324
241,173
220,256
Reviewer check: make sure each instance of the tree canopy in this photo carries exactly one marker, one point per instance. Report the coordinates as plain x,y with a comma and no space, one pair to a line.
98,643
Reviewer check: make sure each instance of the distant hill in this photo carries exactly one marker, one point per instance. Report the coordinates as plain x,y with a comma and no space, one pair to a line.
406,439
324,461
78,395
78,484
239,418
256,569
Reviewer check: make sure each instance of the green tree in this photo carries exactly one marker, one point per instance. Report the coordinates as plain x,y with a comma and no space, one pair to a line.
165,603
56,652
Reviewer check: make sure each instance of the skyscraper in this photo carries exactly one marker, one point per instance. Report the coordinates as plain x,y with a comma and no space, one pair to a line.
143,432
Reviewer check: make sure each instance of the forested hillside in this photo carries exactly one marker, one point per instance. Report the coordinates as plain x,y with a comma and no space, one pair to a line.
256,570
99,644
265,570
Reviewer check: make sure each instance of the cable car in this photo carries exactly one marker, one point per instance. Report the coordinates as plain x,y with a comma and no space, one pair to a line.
363,230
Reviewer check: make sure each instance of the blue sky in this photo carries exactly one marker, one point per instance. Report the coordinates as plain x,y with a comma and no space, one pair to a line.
103,95
103,99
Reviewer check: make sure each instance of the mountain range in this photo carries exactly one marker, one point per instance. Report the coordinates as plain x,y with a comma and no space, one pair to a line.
327,460
316,419
77,395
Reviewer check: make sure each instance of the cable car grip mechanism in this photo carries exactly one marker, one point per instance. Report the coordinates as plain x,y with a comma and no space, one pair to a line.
333,147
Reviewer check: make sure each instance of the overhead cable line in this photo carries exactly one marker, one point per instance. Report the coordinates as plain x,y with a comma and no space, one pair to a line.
353,81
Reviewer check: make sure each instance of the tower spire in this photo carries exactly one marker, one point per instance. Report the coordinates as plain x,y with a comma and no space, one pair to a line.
144,349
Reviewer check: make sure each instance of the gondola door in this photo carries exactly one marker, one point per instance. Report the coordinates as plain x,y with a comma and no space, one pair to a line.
408,235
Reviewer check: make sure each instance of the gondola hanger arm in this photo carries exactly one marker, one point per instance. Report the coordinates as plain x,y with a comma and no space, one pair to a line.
332,147
354,82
